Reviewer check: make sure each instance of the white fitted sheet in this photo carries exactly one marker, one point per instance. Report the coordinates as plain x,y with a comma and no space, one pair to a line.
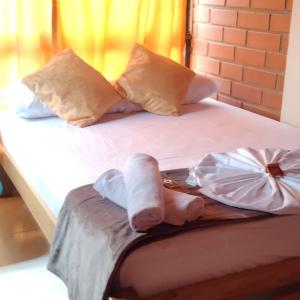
56,158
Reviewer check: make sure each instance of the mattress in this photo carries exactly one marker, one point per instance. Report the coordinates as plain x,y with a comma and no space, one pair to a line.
56,158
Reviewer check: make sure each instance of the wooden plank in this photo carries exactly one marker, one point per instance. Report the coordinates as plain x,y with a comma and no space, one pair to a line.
41,213
290,296
232,286
240,284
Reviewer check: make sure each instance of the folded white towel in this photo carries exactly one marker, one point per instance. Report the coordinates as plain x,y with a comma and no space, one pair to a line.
144,190
266,180
179,207
111,186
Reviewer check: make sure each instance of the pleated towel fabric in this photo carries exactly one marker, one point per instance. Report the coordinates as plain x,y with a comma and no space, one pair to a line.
266,180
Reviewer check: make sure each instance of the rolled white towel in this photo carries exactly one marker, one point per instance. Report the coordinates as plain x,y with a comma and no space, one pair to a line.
179,207
144,189
111,185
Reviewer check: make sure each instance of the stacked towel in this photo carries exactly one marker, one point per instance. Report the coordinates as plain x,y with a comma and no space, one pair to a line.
144,192
111,185
140,191
181,207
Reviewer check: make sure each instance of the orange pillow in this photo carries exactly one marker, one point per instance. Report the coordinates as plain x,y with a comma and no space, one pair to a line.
155,82
72,89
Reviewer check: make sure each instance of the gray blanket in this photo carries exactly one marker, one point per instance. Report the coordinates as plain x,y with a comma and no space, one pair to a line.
93,237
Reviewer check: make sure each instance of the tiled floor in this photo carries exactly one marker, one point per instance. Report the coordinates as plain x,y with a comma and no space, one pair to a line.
20,237
23,257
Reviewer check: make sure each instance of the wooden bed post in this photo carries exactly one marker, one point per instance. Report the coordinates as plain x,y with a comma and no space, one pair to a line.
188,35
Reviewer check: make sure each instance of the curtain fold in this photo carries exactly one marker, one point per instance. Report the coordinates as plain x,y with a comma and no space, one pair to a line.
101,32
25,37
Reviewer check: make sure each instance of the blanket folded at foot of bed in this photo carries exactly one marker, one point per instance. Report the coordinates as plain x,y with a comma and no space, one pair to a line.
93,236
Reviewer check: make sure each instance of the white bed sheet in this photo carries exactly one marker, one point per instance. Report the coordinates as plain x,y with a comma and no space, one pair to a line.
65,157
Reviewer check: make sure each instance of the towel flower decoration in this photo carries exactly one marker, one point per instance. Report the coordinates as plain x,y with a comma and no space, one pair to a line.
266,180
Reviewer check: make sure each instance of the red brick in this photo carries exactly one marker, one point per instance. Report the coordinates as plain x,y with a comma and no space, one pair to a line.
272,99
212,2
221,51
238,3
230,100
289,4
246,92
209,32
250,57
195,29
207,64
201,14
193,64
284,43
280,82
223,17
260,78
264,112
276,61
235,36
231,71
269,4
280,22
199,47
261,40
224,85
253,20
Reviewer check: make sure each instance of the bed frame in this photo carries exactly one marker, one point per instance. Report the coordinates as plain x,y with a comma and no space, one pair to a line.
41,213
231,286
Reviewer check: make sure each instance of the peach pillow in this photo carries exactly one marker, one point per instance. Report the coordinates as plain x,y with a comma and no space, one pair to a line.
72,89
155,82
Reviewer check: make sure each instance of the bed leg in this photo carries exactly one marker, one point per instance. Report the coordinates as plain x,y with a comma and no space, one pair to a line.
6,186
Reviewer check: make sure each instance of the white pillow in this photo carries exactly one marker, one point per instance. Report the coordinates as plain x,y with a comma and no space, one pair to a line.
25,104
200,88
124,106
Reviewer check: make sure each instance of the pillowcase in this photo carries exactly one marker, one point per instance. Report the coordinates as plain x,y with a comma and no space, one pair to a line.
72,89
200,88
20,99
155,82
26,104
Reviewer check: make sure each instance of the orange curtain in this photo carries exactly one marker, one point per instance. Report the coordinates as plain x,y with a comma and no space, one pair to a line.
25,37
102,32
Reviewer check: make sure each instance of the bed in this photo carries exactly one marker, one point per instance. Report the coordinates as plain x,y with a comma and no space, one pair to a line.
46,159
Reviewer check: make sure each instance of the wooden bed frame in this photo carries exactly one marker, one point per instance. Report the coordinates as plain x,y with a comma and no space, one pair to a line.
41,213
232,286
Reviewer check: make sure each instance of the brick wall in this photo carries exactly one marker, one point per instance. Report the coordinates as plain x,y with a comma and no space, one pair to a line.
242,44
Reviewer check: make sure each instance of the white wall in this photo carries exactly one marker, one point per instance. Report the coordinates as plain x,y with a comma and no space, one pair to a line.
290,112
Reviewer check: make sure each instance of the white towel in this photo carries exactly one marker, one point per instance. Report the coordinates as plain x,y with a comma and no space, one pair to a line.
144,189
111,186
179,207
266,180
